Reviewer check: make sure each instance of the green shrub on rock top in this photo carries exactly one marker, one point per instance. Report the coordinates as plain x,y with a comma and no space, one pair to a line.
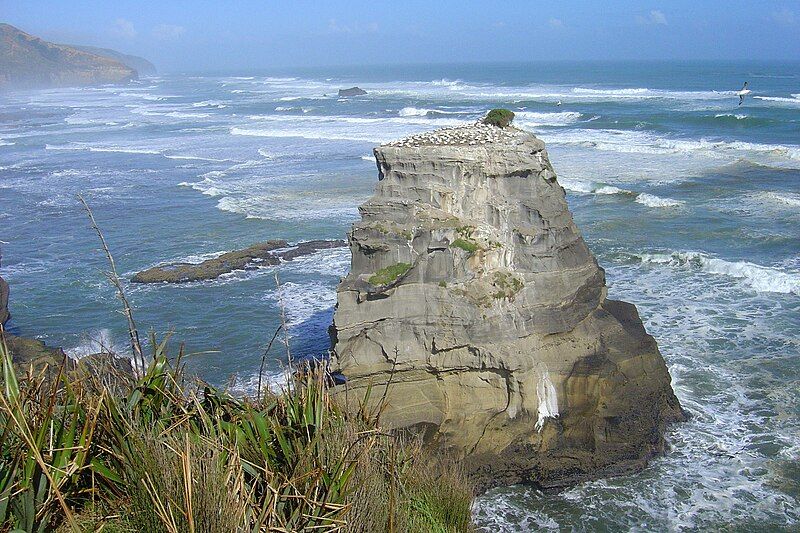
388,274
499,117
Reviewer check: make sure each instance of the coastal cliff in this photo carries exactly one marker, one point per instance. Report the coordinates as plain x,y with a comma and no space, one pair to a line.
475,304
29,62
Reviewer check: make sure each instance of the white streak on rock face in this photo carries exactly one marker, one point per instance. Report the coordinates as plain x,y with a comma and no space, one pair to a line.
548,400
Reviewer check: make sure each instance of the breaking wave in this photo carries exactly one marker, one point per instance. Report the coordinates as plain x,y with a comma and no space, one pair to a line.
95,148
651,200
794,101
531,119
587,187
759,278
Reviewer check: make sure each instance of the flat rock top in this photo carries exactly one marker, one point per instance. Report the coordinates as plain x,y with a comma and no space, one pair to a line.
467,135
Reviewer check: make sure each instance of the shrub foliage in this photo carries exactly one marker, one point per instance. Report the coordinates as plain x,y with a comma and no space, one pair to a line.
499,117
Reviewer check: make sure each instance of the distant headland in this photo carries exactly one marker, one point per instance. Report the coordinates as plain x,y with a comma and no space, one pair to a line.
28,62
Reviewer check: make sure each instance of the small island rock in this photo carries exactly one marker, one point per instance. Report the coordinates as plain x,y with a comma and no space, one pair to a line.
352,91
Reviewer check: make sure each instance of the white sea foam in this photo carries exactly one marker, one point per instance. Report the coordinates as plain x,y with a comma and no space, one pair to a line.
275,381
634,141
6,143
610,189
791,102
339,127
146,96
96,148
370,158
181,114
332,262
303,300
651,200
100,341
782,198
539,92
196,158
588,187
413,112
263,208
531,119
737,116
424,112
218,104
759,278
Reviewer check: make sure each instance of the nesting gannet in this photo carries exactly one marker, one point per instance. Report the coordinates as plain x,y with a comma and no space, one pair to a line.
744,92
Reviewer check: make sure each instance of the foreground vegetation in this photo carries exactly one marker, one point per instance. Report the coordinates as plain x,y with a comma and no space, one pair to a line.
92,448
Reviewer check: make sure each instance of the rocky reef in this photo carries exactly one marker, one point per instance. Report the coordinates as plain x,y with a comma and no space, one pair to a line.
476,311
259,254
27,62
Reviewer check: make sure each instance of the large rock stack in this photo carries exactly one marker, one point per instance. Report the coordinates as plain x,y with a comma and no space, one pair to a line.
474,298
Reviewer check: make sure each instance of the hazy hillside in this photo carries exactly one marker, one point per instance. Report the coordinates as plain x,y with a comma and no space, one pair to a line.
27,61
139,64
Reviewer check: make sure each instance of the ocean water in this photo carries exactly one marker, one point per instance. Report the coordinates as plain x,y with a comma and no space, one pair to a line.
690,202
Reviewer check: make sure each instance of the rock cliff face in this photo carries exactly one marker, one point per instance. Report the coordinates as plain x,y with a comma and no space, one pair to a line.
474,297
4,314
30,62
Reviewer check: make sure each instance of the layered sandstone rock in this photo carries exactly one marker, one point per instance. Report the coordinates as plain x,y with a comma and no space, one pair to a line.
473,296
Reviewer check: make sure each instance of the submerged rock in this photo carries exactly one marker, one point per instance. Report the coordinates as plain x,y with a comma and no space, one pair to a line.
474,302
352,91
260,254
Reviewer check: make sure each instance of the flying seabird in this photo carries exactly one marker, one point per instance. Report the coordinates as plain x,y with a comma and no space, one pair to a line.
744,92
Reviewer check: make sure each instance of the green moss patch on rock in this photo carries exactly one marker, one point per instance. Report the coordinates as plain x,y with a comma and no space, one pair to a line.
389,274
467,245
507,285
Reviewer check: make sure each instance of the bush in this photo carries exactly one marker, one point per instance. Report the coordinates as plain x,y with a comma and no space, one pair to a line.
499,117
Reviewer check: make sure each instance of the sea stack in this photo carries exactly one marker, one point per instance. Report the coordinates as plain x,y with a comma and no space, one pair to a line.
475,311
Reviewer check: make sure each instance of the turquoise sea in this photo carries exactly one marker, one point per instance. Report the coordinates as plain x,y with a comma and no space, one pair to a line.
690,201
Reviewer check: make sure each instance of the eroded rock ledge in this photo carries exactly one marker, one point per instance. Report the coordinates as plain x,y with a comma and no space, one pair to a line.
473,293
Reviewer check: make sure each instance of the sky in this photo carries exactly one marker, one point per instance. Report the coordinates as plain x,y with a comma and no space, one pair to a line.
203,35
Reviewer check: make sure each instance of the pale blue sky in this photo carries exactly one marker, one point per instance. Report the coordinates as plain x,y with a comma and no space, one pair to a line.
216,35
